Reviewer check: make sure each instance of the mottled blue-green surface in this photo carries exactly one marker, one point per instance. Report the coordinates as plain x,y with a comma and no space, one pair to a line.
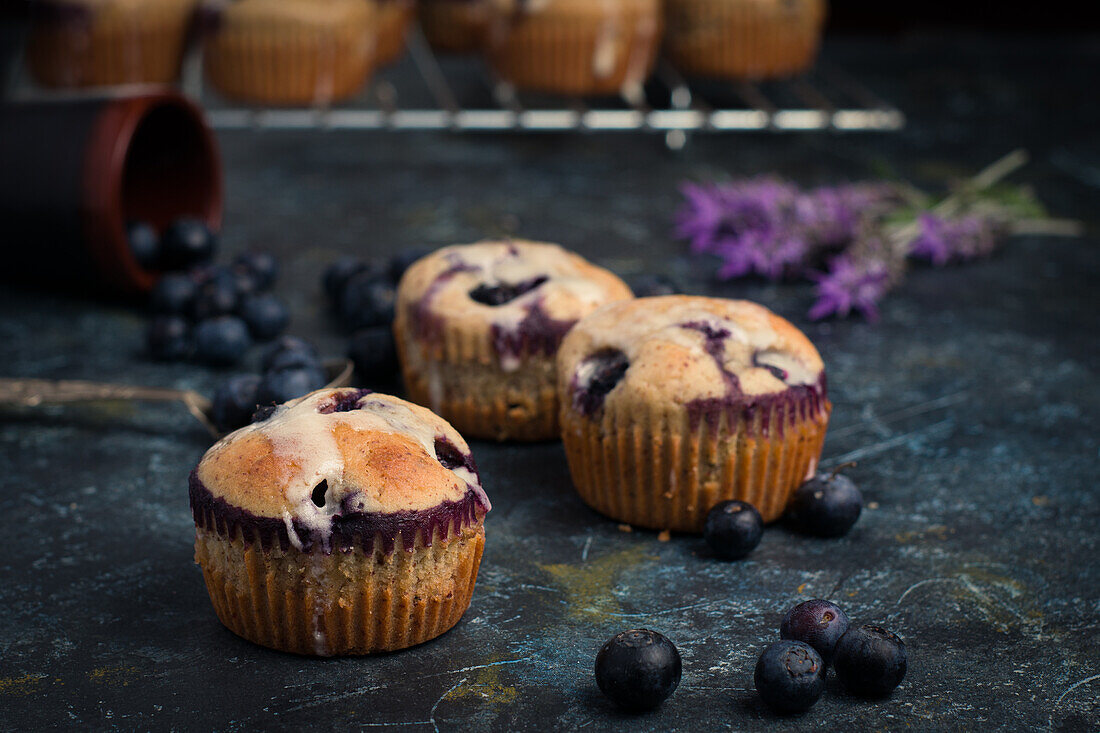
972,408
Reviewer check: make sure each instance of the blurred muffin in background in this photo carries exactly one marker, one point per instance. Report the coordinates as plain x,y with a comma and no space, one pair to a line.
291,52
585,47
84,43
743,39
457,26
392,21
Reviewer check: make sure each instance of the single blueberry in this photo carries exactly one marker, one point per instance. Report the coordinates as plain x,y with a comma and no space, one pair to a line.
173,293
288,352
651,285
374,354
596,376
234,402
266,316
818,623
733,529
502,293
287,384
221,341
367,301
638,669
870,661
261,266
790,676
263,412
404,259
338,273
825,506
144,244
187,242
217,296
169,338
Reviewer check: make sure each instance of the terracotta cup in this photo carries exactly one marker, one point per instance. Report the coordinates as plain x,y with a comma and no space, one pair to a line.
74,171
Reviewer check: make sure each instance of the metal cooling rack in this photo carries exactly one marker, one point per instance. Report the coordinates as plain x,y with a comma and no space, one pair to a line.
453,94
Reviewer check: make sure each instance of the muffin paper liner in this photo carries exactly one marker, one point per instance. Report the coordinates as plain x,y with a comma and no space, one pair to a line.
90,48
282,65
743,39
562,54
457,26
665,470
393,18
297,613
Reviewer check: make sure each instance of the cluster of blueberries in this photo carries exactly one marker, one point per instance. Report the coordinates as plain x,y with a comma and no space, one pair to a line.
361,296
202,311
639,669
290,367
828,505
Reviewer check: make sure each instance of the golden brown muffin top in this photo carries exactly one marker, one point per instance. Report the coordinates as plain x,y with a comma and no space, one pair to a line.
370,454
681,349
505,292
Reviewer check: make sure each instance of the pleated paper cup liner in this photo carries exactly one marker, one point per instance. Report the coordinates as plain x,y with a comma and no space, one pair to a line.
349,603
661,469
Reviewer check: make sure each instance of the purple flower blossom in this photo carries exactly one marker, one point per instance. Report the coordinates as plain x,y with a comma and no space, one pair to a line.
953,240
851,284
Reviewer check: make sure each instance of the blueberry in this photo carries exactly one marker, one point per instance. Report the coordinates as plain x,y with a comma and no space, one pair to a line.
502,293
169,338
265,315
234,402
144,244
221,341
597,375
818,623
261,266
733,529
870,661
638,669
216,297
287,352
263,412
790,676
825,506
283,385
367,301
187,242
338,273
650,285
374,354
403,260
173,293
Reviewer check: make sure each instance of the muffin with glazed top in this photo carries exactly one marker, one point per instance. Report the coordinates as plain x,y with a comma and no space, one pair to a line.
478,325
83,43
289,52
672,404
585,47
743,39
346,522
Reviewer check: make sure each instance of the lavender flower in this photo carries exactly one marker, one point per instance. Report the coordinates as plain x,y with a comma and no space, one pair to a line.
851,284
954,240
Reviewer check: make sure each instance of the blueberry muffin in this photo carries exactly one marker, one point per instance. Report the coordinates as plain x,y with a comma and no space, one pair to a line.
289,52
457,26
584,47
345,522
82,43
743,39
672,404
478,326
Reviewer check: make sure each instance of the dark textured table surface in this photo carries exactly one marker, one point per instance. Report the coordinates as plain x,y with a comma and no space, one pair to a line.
972,408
